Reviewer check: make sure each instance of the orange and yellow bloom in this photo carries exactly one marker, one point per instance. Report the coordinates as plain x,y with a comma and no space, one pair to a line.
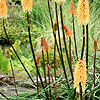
67,31
72,9
45,45
38,59
80,75
83,12
27,5
95,45
3,9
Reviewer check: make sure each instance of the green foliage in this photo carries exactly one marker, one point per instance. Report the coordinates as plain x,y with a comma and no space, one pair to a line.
4,62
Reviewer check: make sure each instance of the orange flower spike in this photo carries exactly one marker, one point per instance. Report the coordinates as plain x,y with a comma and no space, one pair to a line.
95,45
45,44
9,55
68,32
72,9
38,59
80,75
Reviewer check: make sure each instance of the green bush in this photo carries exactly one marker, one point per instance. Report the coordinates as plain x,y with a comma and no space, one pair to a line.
4,62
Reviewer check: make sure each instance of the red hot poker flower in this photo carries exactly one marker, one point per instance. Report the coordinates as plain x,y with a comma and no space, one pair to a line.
38,59
72,9
95,45
9,55
45,44
67,31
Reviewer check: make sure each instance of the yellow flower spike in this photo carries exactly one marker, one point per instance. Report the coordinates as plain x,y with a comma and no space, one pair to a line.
83,12
95,45
80,75
27,5
60,1
3,9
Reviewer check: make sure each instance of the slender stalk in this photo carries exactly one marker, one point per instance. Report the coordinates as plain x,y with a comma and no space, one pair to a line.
94,69
55,60
52,28
87,45
83,42
48,73
82,58
74,36
37,86
65,42
55,69
30,40
61,57
44,64
74,93
80,91
16,53
4,96
70,60
13,77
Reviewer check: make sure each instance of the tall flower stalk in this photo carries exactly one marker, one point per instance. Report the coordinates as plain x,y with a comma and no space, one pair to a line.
95,48
87,44
55,69
60,42
61,57
37,85
72,12
46,47
83,19
70,60
27,7
9,56
83,27
43,62
55,28
65,42
3,14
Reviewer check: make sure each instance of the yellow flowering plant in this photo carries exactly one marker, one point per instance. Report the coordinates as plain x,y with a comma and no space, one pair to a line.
83,12
27,5
80,75
3,9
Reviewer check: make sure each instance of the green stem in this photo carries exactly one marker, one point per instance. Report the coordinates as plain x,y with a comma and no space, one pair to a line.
80,91
44,63
55,69
52,28
87,46
37,86
94,69
16,53
70,60
48,73
74,36
83,42
30,40
65,42
13,77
